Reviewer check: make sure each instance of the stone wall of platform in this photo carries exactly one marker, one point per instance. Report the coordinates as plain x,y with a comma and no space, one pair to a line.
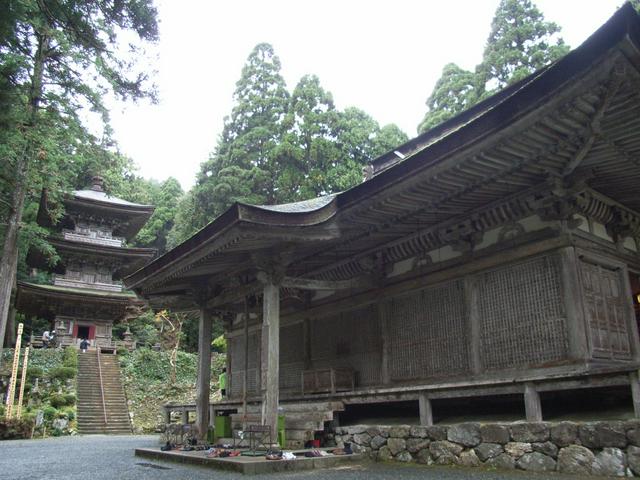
601,448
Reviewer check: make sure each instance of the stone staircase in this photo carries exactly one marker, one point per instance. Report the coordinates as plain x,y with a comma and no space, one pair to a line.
91,410
302,419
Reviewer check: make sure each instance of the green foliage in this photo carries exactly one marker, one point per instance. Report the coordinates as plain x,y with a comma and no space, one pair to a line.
145,363
49,413
454,92
70,357
63,373
164,196
34,372
278,147
520,42
219,344
58,400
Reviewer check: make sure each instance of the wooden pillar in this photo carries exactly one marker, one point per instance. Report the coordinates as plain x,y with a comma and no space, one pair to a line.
532,404
185,416
271,356
204,373
573,303
473,313
635,392
381,314
426,411
306,334
167,416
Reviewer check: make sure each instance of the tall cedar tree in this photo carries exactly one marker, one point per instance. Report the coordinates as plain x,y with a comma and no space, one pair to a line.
455,91
520,42
242,168
56,57
277,147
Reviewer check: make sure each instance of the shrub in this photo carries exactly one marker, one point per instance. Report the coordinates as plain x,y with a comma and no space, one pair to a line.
10,429
70,413
58,400
219,344
70,357
34,372
63,373
49,413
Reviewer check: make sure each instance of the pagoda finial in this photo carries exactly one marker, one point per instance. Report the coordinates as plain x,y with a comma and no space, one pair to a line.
97,183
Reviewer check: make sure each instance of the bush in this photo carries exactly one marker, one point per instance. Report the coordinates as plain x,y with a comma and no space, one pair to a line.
58,400
219,344
70,413
63,373
70,357
34,372
49,413
12,429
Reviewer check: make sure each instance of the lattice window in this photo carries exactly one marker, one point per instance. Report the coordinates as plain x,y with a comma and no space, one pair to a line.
291,356
606,309
522,315
350,339
236,352
428,333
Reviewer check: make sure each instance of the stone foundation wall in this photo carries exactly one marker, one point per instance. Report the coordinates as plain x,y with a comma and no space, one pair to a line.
601,448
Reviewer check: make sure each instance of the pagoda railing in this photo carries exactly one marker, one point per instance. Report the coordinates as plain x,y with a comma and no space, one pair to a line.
104,404
79,237
67,282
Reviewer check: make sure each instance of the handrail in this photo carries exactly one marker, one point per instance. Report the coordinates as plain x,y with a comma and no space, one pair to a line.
104,405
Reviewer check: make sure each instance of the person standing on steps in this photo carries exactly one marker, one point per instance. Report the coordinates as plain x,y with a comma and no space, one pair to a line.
84,345
222,381
46,337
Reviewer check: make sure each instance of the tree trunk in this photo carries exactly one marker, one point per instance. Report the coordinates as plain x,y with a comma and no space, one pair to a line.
9,260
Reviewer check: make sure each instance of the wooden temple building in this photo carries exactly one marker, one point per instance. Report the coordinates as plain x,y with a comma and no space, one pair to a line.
492,255
87,296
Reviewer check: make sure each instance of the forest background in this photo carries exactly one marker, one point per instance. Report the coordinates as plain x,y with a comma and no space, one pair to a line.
59,59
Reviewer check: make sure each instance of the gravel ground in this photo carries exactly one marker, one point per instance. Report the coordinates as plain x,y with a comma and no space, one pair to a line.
101,457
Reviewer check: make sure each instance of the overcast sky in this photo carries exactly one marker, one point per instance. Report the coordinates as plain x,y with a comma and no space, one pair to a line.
381,56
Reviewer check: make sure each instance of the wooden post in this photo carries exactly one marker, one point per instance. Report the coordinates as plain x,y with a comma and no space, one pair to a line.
381,313
167,415
14,374
635,392
426,411
271,333
532,404
23,381
185,416
471,300
245,377
573,303
204,373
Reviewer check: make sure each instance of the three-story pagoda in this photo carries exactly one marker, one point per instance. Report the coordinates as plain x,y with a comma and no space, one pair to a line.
86,296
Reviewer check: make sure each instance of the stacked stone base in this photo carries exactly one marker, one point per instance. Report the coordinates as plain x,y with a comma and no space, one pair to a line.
601,448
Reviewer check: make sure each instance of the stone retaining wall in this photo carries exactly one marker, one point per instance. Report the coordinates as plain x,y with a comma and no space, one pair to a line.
600,448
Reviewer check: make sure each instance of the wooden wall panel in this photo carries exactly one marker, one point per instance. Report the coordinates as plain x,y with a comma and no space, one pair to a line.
429,333
522,315
349,339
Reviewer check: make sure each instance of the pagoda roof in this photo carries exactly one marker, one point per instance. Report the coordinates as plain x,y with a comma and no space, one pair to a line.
48,300
132,258
128,217
536,131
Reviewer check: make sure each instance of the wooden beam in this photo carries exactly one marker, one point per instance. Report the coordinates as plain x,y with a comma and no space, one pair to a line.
271,354
234,294
473,312
312,284
204,373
